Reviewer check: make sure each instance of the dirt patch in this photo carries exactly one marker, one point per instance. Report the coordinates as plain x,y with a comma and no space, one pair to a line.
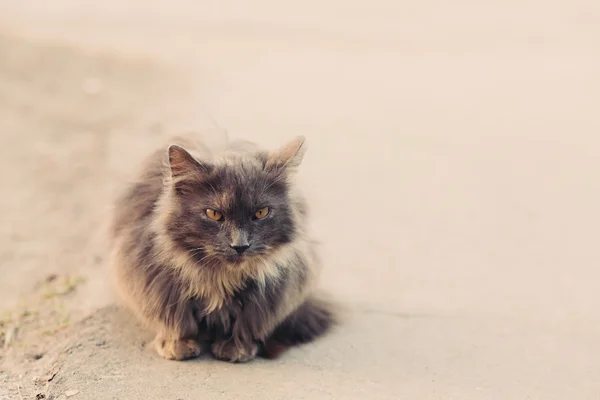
67,355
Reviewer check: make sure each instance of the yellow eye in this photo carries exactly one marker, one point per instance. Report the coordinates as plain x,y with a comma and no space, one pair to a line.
263,212
214,215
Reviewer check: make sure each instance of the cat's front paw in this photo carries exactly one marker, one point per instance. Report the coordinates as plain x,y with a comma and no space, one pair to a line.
227,350
178,349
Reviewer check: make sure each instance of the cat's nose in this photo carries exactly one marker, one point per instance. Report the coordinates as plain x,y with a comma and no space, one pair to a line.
240,248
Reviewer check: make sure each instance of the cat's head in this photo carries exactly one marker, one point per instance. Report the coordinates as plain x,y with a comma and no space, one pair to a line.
234,209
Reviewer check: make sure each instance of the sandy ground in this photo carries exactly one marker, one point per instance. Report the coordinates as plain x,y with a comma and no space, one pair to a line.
452,171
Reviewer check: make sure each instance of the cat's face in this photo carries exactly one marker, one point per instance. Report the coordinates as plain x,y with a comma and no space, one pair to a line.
235,211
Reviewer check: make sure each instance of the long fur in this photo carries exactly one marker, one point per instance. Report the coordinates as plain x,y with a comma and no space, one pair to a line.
175,270
312,319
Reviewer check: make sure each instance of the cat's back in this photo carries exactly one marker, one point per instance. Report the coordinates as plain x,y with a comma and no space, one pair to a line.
137,201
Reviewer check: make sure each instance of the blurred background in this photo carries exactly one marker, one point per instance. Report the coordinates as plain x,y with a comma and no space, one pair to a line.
452,173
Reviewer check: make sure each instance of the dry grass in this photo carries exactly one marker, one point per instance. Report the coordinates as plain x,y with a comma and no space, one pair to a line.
45,308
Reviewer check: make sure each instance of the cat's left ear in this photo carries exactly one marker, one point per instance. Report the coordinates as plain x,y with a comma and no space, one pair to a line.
289,156
183,165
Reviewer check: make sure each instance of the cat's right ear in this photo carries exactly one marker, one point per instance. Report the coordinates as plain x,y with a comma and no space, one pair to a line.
289,156
183,165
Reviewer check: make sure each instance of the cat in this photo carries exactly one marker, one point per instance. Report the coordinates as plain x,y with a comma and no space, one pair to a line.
211,252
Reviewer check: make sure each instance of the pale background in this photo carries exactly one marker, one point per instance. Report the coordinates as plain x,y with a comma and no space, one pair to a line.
452,171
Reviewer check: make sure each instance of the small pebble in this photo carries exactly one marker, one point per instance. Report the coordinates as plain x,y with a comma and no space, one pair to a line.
71,393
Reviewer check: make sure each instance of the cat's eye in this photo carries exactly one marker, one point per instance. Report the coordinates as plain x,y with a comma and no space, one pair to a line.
260,214
214,215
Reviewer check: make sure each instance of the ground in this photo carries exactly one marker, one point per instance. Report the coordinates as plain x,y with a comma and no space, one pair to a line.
451,170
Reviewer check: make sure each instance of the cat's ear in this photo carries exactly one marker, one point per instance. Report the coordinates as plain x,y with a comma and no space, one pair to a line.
183,165
290,155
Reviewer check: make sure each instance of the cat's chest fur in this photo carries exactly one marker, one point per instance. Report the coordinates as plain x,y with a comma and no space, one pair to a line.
215,322
216,290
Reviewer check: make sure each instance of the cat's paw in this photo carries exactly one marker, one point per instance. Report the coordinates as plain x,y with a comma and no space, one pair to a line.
178,349
227,350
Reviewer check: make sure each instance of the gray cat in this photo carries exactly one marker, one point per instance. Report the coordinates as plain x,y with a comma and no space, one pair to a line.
211,251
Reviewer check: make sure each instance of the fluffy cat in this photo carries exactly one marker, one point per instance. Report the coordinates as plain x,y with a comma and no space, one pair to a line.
211,251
